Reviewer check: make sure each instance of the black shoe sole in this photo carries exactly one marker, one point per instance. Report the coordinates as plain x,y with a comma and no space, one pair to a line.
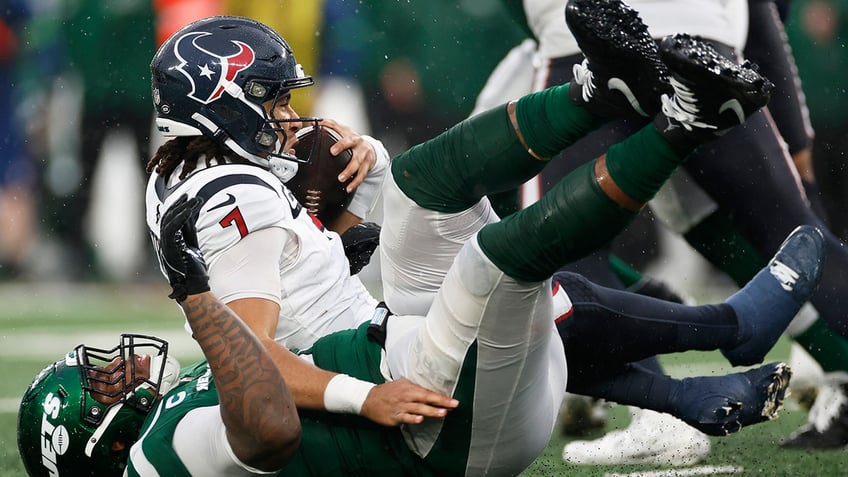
617,43
713,77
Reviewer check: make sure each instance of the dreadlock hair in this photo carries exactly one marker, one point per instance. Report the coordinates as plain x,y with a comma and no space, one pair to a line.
188,150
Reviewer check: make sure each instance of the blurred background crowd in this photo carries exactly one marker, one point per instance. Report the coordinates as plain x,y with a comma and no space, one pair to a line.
76,116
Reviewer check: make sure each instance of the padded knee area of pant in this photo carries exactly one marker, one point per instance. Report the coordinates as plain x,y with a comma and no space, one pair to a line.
477,273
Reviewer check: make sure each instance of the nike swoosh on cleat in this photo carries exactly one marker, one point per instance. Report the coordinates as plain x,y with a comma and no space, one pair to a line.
735,106
784,275
230,200
619,85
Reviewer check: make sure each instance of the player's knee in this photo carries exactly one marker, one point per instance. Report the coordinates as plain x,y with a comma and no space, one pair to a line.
477,273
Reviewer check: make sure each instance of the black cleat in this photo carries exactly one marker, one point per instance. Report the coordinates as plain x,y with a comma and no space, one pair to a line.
622,75
721,405
828,420
712,93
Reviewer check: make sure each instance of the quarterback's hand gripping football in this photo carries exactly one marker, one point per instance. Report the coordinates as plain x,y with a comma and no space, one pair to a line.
363,159
178,250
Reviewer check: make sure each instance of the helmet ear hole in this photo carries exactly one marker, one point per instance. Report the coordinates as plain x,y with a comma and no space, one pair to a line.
257,90
266,139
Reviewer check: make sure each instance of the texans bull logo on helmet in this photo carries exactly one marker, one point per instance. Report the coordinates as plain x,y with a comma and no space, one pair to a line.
221,77
210,73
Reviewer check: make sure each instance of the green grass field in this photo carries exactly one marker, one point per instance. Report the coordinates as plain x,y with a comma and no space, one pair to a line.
39,324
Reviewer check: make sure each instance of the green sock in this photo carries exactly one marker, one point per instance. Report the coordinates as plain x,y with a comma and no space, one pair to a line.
829,349
576,217
479,156
569,221
550,122
483,155
717,240
628,275
642,163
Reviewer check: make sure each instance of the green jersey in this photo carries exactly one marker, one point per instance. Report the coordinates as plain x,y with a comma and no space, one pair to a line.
331,445
154,449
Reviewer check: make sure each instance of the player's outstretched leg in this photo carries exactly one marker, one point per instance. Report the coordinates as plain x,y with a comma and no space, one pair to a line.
595,202
712,93
787,282
721,405
622,75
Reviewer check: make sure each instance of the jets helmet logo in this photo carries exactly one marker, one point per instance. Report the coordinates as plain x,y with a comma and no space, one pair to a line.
214,65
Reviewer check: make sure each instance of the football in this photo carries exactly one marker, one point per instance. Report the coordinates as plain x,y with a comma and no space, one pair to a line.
316,185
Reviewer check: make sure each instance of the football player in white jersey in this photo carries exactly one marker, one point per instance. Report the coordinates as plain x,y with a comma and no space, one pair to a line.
488,338
222,87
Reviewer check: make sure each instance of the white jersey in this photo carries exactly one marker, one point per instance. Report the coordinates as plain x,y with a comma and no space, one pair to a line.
725,21
317,294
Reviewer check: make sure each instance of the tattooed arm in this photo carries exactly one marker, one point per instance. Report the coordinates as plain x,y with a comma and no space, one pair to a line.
256,407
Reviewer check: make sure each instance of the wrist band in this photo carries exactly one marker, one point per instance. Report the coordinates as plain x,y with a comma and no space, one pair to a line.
345,395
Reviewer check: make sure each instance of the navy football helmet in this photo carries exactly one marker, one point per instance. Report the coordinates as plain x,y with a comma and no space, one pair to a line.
212,76
82,413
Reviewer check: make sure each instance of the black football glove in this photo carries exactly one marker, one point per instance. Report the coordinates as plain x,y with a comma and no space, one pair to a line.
359,243
179,253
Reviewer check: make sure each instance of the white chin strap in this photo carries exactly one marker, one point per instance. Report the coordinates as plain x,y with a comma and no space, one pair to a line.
104,424
170,376
284,169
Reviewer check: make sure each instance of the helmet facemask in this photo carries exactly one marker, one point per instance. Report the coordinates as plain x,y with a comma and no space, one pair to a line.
110,376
